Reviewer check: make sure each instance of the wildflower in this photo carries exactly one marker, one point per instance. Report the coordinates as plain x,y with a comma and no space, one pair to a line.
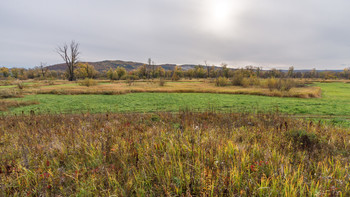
252,168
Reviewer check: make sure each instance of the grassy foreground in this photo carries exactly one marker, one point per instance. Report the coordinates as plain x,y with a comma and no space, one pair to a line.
167,154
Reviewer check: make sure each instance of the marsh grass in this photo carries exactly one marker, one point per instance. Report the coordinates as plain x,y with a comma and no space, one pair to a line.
171,154
7,104
10,93
133,86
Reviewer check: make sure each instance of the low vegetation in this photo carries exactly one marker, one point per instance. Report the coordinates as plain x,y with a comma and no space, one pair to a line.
167,154
9,93
273,84
5,105
132,85
87,82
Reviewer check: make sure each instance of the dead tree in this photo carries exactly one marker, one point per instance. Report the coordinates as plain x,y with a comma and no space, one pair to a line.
43,69
70,55
205,61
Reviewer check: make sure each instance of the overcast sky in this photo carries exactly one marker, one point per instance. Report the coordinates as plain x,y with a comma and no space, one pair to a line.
269,33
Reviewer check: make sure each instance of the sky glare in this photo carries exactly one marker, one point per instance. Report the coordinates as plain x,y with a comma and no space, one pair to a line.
271,34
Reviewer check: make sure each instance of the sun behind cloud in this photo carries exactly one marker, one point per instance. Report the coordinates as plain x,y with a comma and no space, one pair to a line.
220,16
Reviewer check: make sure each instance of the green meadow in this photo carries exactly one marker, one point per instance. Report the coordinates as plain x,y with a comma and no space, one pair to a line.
335,101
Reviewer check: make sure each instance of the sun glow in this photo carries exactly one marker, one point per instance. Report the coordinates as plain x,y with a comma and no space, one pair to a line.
221,15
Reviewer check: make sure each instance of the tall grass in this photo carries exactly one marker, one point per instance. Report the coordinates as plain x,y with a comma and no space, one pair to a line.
87,82
167,154
10,93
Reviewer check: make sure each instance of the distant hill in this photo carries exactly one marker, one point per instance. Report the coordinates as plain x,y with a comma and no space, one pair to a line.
128,65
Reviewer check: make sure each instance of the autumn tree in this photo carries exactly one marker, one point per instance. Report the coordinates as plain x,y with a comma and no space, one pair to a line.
112,74
208,69
225,70
121,71
5,72
70,55
85,70
177,74
291,72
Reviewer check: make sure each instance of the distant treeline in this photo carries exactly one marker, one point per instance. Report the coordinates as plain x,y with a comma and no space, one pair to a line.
85,70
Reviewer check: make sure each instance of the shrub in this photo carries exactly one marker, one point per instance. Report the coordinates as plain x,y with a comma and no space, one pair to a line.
254,81
237,79
245,82
272,84
221,81
287,84
161,82
87,82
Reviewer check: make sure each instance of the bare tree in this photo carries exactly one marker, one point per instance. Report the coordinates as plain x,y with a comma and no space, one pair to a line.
205,61
149,68
43,68
70,55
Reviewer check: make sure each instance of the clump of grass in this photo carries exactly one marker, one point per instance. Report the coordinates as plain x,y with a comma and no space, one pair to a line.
7,82
9,93
88,82
20,85
6,104
171,154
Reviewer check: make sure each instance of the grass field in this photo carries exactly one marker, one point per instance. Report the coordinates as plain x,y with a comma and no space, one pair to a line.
172,154
60,150
335,101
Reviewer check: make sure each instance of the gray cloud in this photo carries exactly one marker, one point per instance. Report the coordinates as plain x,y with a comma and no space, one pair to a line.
303,34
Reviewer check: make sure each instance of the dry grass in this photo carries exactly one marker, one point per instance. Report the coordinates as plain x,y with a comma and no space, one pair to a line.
174,87
165,154
6,104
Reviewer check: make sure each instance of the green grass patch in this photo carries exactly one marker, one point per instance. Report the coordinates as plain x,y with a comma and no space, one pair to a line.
9,86
335,101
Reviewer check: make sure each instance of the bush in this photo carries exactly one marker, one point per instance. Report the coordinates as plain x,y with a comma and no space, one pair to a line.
161,82
246,82
272,84
87,82
237,79
283,84
287,84
221,81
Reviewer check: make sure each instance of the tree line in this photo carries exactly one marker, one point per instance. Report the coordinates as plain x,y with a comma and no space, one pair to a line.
85,70
79,70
